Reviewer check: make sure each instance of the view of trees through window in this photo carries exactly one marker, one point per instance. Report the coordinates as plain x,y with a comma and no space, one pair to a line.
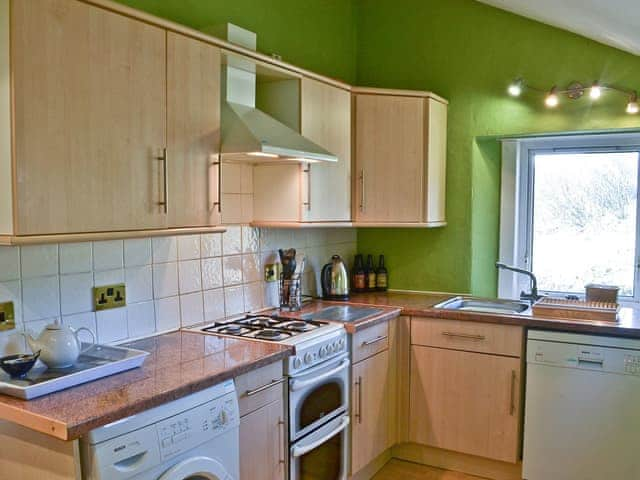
584,220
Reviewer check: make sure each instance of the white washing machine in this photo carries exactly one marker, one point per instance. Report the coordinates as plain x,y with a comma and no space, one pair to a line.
195,437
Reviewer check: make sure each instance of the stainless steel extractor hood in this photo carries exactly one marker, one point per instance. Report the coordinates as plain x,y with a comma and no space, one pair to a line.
249,134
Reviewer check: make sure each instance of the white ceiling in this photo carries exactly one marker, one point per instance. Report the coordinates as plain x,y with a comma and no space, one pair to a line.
612,22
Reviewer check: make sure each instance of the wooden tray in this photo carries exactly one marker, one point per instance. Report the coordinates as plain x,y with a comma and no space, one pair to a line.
576,310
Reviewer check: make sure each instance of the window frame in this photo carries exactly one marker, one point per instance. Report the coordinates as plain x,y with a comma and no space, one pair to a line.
516,210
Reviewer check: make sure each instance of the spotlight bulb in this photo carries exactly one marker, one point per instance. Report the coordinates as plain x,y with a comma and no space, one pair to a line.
515,89
596,91
551,100
632,106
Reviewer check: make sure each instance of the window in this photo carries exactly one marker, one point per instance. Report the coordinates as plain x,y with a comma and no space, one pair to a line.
582,219
574,218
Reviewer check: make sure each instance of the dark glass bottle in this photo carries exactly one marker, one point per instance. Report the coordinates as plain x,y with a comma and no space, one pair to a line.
371,274
382,276
359,276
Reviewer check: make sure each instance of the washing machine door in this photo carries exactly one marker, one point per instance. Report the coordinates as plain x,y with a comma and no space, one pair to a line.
197,468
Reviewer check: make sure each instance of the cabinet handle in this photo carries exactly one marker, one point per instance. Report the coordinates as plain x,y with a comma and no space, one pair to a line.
165,183
512,402
218,164
464,335
308,172
358,414
362,198
281,460
255,391
366,343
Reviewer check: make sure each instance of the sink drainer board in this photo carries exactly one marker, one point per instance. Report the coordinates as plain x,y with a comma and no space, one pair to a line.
97,362
342,313
563,308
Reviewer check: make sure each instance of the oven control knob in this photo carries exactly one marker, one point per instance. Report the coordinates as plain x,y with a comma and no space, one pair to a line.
330,348
341,343
323,352
297,363
308,358
336,346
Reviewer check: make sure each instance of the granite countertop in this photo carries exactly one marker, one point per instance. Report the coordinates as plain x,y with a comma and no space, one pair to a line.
184,362
421,305
179,363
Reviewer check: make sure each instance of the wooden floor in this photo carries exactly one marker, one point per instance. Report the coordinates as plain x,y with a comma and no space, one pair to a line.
397,469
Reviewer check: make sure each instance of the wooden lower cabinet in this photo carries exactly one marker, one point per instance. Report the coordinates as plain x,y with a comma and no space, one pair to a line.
466,402
370,410
263,443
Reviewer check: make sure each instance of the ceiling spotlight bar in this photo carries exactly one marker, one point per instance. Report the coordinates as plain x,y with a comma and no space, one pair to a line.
575,91
551,99
632,106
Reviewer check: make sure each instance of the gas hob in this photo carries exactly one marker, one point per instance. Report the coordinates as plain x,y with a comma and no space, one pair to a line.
271,328
315,341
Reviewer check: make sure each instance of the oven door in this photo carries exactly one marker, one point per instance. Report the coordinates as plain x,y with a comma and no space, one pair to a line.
321,454
318,395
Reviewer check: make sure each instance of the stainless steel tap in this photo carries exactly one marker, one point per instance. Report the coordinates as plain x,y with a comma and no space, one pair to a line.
532,296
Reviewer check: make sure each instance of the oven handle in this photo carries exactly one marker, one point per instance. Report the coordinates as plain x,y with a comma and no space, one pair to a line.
298,451
298,384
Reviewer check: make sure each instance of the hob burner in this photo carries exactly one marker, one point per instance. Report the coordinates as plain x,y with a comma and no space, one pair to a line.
269,334
259,321
297,326
229,329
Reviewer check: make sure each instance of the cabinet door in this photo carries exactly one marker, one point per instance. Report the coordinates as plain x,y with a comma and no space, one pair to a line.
370,433
390,158
263,443
90,113
193,132
436,161
465,402
326,120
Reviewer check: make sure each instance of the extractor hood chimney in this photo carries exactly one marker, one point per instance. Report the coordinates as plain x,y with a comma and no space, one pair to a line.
249,134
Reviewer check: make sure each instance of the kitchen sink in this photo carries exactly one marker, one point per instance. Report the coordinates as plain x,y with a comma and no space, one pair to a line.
483,305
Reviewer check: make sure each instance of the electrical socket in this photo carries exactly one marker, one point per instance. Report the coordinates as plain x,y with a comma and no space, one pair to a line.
272,272
7,317
109,296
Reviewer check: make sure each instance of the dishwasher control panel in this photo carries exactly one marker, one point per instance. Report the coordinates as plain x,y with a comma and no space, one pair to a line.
632,364
584,357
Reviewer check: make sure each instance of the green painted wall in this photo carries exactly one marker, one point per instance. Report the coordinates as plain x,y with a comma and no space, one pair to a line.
462,50
315,34
468,52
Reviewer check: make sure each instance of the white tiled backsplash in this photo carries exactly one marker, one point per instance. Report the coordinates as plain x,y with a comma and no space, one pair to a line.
170,281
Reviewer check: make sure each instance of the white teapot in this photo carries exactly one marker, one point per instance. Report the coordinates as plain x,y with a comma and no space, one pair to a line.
59,345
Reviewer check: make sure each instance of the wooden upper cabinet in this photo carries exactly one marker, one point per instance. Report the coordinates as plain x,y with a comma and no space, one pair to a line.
400,158
308,192
326,120
89,119
466,402
193,132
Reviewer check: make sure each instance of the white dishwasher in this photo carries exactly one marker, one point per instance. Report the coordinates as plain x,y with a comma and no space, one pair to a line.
582,410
